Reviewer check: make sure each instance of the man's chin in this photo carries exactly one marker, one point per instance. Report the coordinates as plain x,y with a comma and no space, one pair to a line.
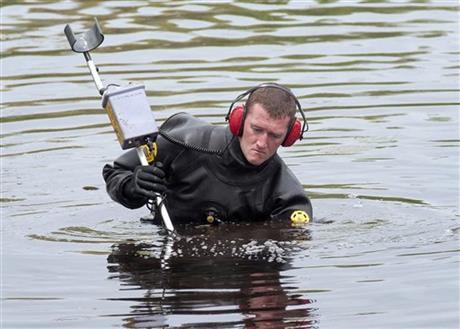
256,160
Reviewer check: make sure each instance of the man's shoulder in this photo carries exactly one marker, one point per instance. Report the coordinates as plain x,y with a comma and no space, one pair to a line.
286,177
193,133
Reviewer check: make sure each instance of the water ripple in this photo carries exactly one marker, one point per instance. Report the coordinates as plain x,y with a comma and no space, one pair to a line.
379,84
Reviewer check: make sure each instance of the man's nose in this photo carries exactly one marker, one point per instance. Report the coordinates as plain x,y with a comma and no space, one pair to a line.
262,140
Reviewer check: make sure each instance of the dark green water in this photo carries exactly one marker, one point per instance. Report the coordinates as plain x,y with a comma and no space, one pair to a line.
379,81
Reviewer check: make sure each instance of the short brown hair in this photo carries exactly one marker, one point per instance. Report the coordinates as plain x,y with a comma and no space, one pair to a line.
277,102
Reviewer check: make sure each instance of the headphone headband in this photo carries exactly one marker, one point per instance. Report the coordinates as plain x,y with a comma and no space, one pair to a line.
276,86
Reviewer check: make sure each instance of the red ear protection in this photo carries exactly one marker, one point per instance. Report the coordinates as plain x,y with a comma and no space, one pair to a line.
293,134
235,116
236,119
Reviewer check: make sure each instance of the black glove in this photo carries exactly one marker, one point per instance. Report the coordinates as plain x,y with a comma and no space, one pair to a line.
146,181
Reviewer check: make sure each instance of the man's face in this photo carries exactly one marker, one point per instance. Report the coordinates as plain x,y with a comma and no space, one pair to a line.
262,135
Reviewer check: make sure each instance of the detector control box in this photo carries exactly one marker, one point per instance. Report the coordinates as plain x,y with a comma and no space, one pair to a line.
130,115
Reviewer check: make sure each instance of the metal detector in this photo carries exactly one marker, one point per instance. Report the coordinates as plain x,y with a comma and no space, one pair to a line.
127,107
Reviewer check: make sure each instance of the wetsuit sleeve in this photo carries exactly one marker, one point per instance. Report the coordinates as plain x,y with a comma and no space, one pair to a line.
117,175
289,203
289,197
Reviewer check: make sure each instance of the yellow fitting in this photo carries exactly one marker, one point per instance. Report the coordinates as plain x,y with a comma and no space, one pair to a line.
150,155
299,217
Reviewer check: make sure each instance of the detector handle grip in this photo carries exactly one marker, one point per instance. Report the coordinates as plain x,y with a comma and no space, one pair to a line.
158,200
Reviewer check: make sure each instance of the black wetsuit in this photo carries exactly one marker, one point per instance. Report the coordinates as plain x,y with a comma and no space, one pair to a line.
207,173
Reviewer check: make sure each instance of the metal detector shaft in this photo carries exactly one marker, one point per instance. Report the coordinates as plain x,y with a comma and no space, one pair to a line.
94,73
125,105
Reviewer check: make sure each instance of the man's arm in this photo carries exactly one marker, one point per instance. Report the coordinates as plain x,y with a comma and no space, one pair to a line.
118,175
290,199
131,184
296,208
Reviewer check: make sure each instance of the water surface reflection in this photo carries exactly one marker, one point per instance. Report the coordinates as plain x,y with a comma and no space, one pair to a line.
226,276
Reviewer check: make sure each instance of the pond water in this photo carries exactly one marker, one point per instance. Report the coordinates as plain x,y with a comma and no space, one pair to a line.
379,82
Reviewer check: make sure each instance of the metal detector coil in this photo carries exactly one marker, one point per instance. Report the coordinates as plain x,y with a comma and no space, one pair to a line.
86,42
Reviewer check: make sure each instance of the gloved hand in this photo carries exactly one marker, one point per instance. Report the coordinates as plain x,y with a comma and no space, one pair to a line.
146,181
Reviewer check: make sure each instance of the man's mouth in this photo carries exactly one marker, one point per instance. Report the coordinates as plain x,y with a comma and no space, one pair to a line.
258,152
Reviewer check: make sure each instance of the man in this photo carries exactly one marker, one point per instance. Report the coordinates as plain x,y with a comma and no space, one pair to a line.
215,173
